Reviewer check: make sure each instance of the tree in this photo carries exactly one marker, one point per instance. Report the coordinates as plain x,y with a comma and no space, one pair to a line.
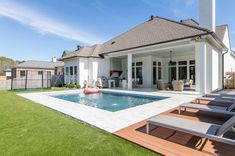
6,63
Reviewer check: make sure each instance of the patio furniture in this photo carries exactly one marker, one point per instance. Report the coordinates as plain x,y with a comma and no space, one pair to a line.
161,85
98,83
124,84
111,83
208,108
188,83
219,100
202,129
216,95
178,85
102,82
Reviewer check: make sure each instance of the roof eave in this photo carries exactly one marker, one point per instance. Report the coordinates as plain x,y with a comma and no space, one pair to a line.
102,54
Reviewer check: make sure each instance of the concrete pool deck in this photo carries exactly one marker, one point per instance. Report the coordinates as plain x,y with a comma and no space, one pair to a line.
111,121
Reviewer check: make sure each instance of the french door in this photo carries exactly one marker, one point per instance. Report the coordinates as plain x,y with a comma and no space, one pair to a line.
137,72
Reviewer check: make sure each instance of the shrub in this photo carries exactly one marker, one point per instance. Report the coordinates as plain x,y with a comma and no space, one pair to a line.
70,85
60,85
78,86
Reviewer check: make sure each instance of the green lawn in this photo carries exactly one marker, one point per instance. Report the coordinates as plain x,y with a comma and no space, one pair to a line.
27,128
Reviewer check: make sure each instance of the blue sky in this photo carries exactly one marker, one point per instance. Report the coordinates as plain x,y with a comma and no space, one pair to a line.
38,30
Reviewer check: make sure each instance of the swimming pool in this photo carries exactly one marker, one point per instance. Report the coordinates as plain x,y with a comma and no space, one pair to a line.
110,101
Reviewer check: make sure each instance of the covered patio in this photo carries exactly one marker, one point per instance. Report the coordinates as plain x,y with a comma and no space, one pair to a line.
158,66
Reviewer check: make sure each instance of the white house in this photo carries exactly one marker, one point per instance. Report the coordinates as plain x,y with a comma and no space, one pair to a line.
159,49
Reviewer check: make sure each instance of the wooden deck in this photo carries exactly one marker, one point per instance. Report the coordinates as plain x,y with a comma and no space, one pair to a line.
169,142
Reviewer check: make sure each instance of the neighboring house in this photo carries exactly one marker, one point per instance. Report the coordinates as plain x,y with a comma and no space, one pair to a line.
35,69
159,49
7,73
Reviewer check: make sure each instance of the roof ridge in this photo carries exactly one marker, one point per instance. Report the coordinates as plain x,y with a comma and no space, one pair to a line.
222,25
191,19
195,27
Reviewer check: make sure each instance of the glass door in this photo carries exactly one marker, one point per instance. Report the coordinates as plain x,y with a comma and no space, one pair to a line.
137,74
172,71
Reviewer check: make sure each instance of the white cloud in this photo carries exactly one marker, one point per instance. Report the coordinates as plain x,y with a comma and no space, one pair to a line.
179,13
45,25
189,3
181,7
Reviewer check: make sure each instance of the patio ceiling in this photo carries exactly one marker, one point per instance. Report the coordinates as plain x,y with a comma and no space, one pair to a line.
177,51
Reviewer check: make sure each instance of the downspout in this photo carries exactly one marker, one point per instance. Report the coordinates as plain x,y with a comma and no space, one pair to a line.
223,68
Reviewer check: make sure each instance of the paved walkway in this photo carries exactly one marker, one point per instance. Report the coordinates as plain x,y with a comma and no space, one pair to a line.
111,121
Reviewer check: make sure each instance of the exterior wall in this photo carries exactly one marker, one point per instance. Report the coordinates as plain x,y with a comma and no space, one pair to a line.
103,67
208,67
229,59
83,70
32,73
36,78
89,69
67,77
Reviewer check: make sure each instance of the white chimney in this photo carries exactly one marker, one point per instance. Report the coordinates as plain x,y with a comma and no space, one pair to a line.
207,14
54,59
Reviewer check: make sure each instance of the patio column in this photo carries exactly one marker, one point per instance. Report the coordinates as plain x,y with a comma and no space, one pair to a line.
129,71
200,57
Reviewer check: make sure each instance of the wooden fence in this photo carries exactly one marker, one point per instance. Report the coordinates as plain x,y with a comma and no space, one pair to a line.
230,83
5,84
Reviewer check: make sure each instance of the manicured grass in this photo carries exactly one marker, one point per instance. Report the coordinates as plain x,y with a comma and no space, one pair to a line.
27,128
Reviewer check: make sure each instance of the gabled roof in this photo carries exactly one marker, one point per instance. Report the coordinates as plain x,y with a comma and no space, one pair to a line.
191,22
87,51
220,31
40,64
155,31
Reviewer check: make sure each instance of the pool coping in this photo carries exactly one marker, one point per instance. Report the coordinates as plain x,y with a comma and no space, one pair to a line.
106,120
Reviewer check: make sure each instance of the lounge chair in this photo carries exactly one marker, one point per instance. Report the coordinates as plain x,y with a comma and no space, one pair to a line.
202,129
219,100
208,108
222,95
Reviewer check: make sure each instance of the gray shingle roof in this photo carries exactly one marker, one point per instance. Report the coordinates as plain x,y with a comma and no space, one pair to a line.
190,22
87,51
155,31
158,30
40,64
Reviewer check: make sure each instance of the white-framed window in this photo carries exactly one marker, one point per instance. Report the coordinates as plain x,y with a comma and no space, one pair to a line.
71,70
22,73
67,70
75,70
183,70
172,71
192,72
157,71
137,72
39,72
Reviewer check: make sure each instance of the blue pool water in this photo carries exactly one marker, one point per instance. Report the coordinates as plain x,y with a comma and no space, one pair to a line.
110,101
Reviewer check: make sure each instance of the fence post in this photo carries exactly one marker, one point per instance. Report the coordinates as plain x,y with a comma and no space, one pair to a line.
42,79
26,80
12,76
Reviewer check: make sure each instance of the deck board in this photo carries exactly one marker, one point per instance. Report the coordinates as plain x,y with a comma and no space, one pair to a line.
169,142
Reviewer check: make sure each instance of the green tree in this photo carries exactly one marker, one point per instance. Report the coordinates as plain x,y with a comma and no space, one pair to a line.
6,63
